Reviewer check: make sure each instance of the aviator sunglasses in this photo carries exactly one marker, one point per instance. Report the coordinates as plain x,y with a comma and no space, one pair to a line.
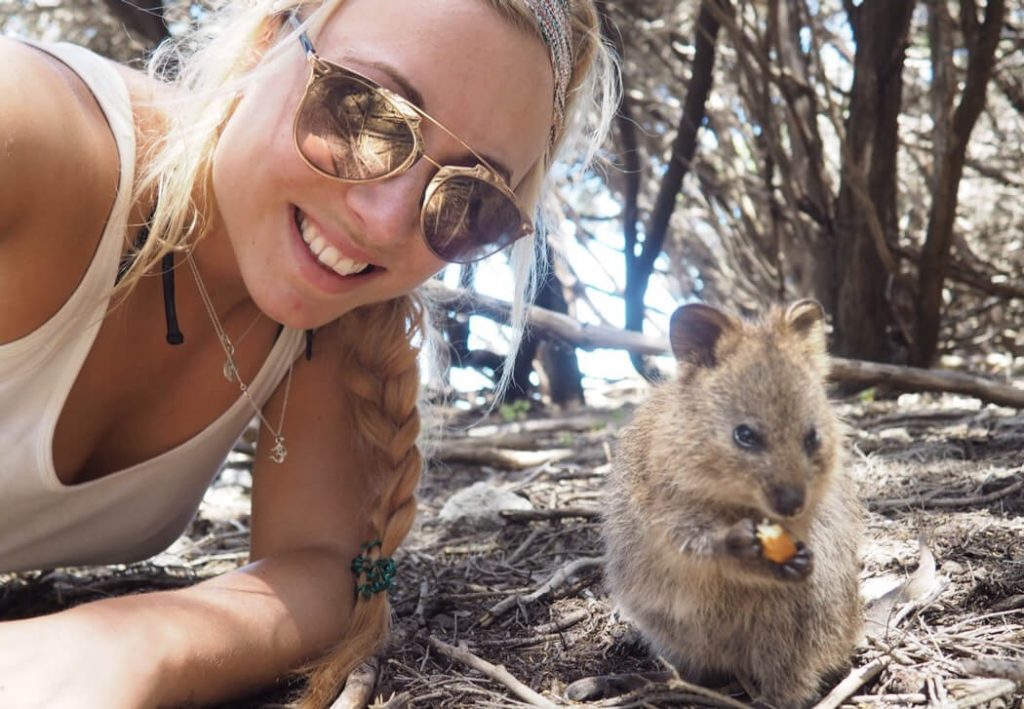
350,128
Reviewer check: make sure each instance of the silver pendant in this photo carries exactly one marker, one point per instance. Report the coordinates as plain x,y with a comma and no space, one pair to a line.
278,453
230,371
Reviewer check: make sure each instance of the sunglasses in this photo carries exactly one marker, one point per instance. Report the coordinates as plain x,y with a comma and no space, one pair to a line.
351,129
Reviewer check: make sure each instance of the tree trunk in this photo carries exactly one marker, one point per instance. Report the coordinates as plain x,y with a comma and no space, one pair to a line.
456,331
809,251
555,361
866,223
981,44
640,266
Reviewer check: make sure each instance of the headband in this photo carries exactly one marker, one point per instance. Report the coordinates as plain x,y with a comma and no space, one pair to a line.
556,29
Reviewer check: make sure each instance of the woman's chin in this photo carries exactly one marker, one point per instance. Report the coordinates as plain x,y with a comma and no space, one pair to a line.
289,308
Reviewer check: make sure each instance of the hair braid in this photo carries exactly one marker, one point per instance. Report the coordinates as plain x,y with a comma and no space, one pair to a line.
379,362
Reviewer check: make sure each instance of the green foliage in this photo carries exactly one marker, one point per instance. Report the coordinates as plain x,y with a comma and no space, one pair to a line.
868,395
515,411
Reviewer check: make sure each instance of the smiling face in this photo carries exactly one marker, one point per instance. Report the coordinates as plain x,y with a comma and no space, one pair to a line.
488,82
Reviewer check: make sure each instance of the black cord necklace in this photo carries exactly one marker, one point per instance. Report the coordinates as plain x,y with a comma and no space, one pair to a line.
174,333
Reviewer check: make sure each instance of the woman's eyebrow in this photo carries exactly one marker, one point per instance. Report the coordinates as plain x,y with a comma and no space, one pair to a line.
416,97
392,73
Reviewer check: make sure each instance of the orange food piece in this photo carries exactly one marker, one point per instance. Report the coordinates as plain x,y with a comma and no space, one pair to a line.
776,544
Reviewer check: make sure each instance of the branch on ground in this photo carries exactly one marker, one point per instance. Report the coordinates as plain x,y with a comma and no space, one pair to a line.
591,337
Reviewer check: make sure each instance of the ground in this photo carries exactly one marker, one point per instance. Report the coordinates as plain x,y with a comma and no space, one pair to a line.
942,469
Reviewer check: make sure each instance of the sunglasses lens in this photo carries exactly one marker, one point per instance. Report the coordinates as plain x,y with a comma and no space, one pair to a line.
346,129
465,219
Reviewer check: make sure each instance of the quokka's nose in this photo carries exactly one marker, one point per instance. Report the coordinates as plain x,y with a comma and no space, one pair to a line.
787,500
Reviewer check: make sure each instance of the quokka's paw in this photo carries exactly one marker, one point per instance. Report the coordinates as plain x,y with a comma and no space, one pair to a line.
742,542
798,567
770,549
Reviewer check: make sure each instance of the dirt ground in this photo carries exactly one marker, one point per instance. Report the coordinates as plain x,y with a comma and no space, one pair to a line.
528,595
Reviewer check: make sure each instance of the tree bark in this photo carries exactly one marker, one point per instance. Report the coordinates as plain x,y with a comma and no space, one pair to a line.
981,44
684,147
456,330
810,255
629,153
555,361
866,221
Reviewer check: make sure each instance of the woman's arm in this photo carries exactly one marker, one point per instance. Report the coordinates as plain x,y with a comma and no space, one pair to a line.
309,518
222,638
236,633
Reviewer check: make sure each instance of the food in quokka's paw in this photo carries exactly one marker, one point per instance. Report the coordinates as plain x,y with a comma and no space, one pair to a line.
776,543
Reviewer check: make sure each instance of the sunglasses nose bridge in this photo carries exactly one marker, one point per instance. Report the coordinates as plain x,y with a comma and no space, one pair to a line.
431,160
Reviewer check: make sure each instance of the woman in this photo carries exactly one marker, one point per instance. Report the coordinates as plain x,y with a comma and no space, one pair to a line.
308,170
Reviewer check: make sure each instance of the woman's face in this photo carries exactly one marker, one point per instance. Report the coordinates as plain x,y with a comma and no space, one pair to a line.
488,82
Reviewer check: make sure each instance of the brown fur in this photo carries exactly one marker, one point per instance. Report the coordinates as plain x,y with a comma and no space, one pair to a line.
683,497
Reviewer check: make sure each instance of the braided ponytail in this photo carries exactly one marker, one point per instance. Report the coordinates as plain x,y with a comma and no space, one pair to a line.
379,362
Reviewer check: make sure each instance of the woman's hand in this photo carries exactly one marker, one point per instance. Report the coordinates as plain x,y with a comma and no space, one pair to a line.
73,660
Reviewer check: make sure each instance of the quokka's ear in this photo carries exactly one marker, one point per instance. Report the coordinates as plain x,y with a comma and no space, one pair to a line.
806,318
695,330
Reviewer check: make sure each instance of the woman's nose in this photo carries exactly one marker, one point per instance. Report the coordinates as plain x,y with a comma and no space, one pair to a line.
388,210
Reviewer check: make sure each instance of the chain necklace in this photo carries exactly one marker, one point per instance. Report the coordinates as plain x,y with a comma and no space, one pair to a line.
228,372
278,453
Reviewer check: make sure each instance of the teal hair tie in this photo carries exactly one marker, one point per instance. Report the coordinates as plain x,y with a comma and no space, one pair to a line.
379,574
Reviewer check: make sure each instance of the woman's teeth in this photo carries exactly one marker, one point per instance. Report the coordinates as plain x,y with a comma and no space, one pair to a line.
327,255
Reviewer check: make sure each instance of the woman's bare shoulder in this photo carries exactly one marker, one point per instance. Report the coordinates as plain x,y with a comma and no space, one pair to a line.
58,179
59,156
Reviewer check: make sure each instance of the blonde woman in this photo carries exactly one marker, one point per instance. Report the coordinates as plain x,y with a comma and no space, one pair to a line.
177,256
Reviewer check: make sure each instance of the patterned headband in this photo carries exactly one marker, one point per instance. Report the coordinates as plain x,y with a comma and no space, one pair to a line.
556,29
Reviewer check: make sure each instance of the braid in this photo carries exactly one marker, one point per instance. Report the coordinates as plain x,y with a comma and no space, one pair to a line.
382,379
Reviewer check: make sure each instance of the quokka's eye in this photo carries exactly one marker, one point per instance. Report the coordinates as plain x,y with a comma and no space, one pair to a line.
746,437
812,441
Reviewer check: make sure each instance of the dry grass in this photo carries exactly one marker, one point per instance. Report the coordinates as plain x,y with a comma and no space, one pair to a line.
938,468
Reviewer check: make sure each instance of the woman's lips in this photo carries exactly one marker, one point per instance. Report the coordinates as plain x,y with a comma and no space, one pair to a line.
325,279
326,254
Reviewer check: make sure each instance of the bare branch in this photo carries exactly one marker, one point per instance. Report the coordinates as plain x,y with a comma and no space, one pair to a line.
841,370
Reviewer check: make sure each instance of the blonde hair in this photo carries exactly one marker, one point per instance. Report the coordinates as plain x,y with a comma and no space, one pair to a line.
210,68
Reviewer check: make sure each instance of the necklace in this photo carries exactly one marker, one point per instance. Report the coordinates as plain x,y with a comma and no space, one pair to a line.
278,453
230,373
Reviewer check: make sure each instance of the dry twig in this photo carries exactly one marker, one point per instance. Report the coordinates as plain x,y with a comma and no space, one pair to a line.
924,501
559,513
854,681
977,692
510,458
359,686
398,701
556,580
1009,604
890,699
496,672
640,689
996,667
560,624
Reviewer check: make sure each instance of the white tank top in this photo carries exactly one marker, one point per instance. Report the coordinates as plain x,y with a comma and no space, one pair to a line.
133,513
